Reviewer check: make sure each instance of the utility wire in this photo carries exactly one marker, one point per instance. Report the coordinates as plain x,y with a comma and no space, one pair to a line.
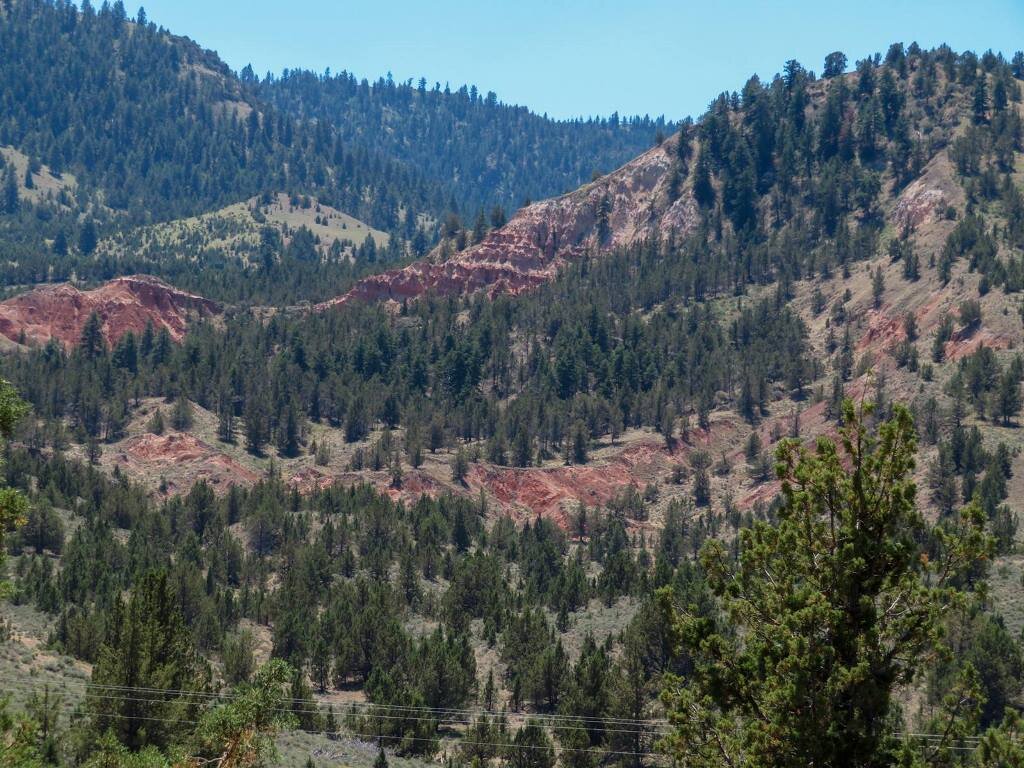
415,714
442,711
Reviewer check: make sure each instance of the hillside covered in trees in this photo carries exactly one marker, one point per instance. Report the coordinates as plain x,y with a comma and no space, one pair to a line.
116,122
731,476
488,153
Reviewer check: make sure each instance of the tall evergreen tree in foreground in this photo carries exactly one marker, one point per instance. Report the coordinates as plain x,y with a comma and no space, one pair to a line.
13,505
823,615
149,648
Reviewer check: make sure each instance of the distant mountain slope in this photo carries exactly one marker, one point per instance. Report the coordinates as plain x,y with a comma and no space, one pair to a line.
622,208
484,151
270,249
784,178
155,127
117,122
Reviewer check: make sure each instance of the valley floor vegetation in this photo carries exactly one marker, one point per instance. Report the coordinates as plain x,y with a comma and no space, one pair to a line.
792,643
849,621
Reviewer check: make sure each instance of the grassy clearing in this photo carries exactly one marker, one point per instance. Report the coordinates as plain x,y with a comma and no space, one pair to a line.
45,183
235,231
27,666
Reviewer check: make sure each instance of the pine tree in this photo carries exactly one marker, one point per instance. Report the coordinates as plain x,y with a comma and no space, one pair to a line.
911,263
9,198
835,64
288,431
60,243
460,466
980,102
522,451
531,748
156,423
1007,397
91,342
256,428
225,420
181,414
87,238
13,504
580,441
147,645
703,191
700,461
241,732
877,287
322,456
810,642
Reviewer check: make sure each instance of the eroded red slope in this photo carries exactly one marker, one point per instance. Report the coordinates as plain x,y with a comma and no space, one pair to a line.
124,304
542,238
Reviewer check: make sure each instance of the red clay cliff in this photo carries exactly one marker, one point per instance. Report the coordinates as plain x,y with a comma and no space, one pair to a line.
124,304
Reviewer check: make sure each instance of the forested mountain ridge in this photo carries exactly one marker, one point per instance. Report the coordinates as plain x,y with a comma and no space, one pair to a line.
819,162
155,126
524,522
619,209
488,153
152,128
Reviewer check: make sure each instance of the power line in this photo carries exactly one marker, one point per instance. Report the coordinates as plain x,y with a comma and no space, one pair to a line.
562,722
522,717
403,738
441,711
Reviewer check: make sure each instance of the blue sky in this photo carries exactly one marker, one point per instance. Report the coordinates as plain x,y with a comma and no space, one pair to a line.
569,57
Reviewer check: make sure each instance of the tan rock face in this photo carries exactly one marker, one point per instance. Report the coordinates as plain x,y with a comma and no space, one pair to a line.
924,200
125,304
544,237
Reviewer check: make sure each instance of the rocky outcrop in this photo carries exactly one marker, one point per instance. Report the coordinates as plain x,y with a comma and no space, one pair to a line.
124,304
926,198
631,204
177,461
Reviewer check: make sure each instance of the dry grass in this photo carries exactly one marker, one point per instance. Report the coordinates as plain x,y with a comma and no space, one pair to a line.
235,230
45,184
27,666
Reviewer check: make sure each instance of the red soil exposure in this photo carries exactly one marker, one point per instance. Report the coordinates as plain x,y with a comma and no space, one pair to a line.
918,204
125,304
967,341
763,493
882,333
544,491
180,455
414,485
542,238
549,492
309,480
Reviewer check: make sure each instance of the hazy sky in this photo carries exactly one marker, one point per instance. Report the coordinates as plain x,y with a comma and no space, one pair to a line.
569,57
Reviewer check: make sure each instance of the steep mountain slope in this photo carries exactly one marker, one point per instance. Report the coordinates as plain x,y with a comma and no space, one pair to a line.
622,208
155,127
596,393
903,178
737,279
861,138
126,304
146,127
